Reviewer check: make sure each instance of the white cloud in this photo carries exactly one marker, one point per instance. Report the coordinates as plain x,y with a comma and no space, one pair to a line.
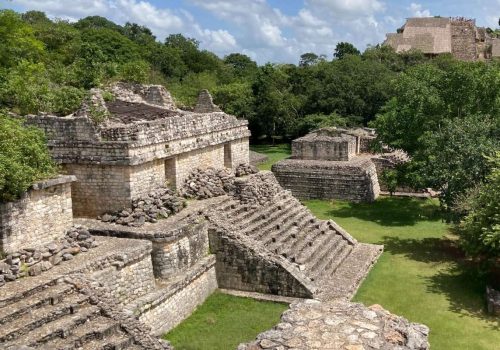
417,11
351,8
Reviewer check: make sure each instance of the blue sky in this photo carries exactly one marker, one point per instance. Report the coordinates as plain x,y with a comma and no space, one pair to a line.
267,30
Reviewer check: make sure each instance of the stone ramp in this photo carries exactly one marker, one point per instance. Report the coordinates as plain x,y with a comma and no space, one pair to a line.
325,254
65,308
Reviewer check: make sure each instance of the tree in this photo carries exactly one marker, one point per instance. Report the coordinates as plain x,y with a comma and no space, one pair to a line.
242,65
479,230
18,40
344,49
309,59
24,157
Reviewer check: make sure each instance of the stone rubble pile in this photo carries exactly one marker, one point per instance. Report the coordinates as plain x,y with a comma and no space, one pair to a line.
341,325
34,261
260,188
245,169
158,204
208,183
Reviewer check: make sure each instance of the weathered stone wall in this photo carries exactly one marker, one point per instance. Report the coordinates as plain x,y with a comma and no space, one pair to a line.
208,157
99,189
241,267
146,177
309,179
128,282
342,148
41,215
182,252
167,309
240,152
60,129
463,40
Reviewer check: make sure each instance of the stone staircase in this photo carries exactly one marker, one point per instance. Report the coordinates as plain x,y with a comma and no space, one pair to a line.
65,308
333,261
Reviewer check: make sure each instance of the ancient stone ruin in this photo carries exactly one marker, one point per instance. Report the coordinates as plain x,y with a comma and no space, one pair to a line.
336,163
437,35
137,259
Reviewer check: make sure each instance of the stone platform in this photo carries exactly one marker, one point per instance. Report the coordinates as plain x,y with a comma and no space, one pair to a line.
353,180
341,326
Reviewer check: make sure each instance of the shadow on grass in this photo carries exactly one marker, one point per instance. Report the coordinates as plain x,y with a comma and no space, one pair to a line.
391,211
458,282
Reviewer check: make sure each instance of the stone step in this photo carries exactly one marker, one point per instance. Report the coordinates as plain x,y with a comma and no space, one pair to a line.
318,241
60,327
307,236
116,341
260,212
344,282
303,230
98,328
268,218
320,256
330,263
40,316
277,226
50,295
288,233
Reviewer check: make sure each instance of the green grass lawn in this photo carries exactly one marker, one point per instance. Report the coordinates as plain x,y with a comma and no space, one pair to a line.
224,321
418,276
274,153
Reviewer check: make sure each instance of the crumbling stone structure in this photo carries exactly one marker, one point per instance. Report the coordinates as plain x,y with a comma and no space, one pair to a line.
143,142
437,35
335,164
315,325
142,277
41,215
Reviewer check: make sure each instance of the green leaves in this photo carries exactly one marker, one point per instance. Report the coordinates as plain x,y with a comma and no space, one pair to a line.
24,157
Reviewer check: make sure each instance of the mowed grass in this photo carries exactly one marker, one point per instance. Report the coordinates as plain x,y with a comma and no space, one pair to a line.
274,153
419,276
224,321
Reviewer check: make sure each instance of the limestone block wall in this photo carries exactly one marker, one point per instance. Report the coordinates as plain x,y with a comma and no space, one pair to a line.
240,152
41,215
308,179
179,254
240,266
131,281
341,149
173,307
463,40
212,156
146,177
99,189
67,128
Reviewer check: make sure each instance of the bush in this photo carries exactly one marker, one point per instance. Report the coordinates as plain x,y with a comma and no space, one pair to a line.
135,71
24,157
479,230
66,100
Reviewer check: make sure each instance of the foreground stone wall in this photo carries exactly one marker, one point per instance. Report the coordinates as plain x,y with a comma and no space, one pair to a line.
188,245
130,280
99,189
38,217
172,307
309,179
146,177
341,325
242,268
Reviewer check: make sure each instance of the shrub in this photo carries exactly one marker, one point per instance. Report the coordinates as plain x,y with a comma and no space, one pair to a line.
24,157
135,71
479,230
66,99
